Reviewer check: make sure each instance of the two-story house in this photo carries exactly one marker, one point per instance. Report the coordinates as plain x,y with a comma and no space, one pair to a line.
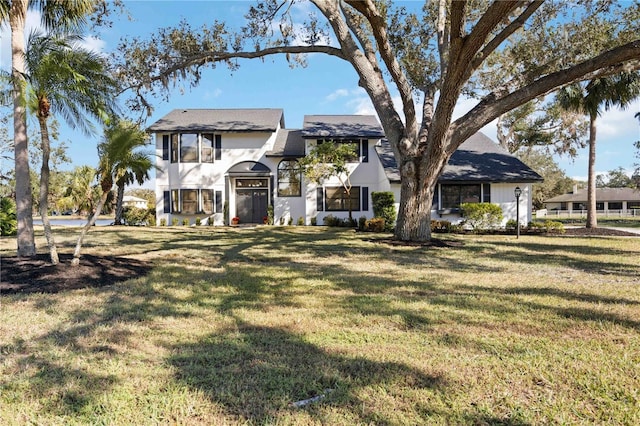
237,162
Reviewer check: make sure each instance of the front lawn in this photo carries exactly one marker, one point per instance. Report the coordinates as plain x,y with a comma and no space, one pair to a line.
233,326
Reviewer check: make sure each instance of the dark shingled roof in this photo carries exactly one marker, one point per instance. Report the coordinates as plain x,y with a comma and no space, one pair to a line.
478,159
602,194
220,120
341,127
289,143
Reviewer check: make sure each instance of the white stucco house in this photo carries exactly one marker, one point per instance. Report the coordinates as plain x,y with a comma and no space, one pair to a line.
246,159
131,201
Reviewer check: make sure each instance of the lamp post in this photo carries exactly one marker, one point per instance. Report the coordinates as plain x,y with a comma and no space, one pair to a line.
517,193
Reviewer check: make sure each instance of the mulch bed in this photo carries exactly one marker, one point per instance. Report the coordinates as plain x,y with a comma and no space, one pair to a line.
38,275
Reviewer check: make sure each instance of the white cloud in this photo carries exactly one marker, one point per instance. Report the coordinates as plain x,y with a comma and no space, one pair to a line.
340,93
93,44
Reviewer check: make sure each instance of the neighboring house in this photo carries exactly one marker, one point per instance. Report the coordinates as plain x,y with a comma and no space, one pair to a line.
131,201
621,201
238,162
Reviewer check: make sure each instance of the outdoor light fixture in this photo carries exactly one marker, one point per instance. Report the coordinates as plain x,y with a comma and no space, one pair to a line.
517,193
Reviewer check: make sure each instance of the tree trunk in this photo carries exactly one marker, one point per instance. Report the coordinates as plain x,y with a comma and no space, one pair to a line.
119,207
44,190
592,220
418,182
90,222
24,202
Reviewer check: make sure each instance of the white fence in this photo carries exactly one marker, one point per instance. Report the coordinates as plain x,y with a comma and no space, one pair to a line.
571,214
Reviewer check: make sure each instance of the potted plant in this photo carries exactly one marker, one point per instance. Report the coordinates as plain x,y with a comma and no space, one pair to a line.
235,220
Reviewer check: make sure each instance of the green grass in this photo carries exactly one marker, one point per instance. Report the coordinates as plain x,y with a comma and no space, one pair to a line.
233,325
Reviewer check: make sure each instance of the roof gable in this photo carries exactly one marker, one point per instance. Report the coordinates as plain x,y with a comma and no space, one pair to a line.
478,159
220,120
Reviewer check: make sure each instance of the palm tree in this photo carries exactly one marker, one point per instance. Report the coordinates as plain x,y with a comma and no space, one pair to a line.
59,15
117,157
68,80
617,90
134,165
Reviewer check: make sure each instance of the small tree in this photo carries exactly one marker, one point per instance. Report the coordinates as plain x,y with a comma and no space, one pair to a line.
330,159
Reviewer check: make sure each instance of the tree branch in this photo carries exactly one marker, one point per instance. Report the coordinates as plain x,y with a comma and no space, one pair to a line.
379,28
622,58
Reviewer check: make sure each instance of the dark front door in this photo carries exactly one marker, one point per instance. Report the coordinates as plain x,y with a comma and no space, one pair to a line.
251,205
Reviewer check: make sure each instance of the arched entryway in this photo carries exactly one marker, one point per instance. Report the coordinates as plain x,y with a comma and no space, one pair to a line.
251,183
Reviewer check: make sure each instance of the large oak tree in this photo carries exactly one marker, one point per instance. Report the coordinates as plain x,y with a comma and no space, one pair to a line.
506,53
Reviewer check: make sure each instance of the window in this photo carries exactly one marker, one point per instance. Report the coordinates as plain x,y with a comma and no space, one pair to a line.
206,151
174,147
189,148
165,147
453,195
336,199
357,147
289,179
175,201
207,201
189,198
251,183
166,201
615,205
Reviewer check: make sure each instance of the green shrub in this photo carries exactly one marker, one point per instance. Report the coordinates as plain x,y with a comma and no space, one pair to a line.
151,219
133,216
440,226
383,207
553,227
314,221
198,221
210,220
185,222
290,221
163,222
362,223
330,220
481,216
376,224
174,221
8,218
282,221
511,225
269,215
301,221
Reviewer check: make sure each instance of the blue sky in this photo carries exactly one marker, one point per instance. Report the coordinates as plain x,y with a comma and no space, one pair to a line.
326,86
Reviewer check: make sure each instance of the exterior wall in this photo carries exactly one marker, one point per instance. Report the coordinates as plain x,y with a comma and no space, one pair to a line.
236,147
503,195
370,175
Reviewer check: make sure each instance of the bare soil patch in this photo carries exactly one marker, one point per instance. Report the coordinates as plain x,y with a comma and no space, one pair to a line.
38,275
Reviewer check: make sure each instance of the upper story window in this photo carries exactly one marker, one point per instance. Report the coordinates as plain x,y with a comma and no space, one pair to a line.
360,146
189,148
289,179
195,147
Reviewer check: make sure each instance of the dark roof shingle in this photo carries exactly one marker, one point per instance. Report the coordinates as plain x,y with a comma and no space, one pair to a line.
341,127
478,159
220,120
288,143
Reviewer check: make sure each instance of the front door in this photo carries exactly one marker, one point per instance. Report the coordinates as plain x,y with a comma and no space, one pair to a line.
251,205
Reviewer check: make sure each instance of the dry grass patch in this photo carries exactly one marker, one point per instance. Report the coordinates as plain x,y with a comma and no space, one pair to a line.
231,326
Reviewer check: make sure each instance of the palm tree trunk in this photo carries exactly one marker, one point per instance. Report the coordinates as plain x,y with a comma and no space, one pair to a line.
119,208
90,222
24,202
592,220
44,190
